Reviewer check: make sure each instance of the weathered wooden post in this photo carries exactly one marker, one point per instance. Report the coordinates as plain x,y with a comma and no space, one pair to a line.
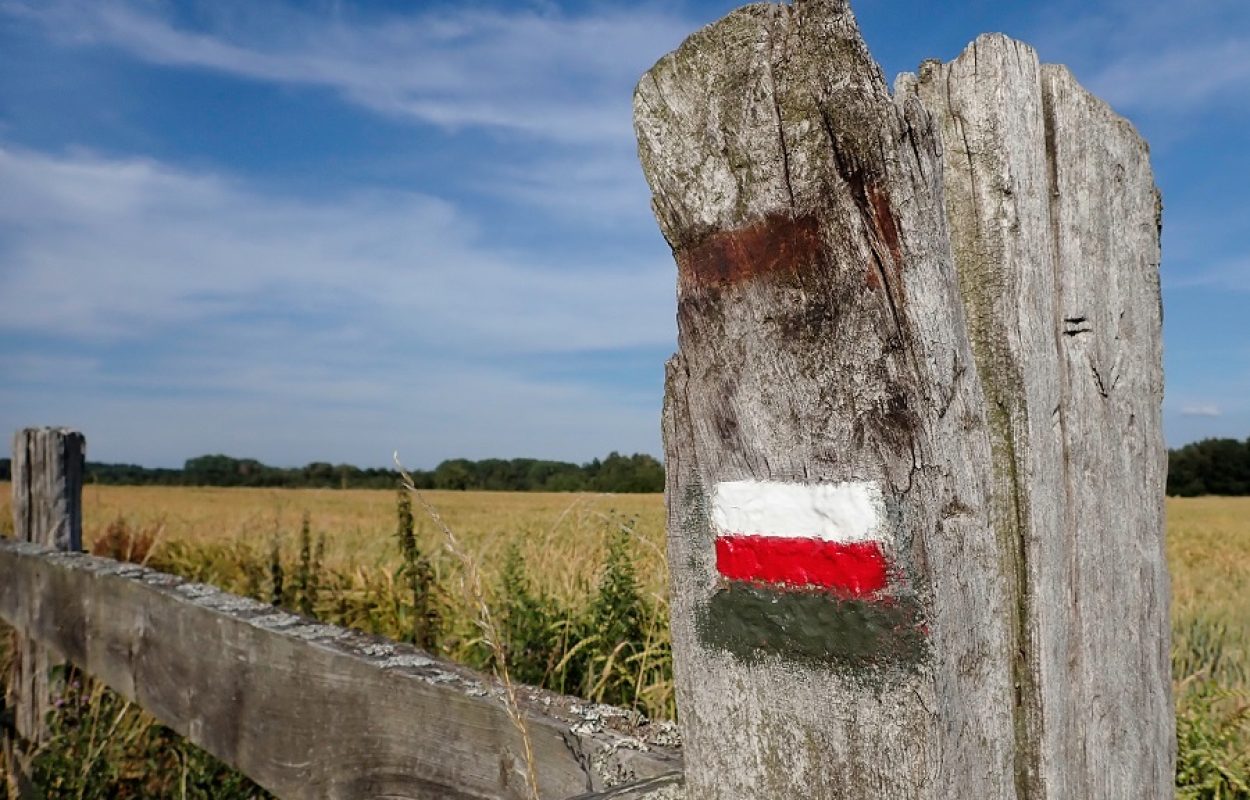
47,509
915,463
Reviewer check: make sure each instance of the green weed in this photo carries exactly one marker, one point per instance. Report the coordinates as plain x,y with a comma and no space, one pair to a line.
417,572
1212,711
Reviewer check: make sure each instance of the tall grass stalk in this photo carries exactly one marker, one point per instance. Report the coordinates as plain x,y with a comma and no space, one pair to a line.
472,583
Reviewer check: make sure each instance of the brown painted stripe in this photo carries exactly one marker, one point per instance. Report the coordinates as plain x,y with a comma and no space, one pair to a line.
776,242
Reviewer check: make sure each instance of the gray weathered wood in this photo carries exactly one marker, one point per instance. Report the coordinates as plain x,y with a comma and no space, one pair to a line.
996,374
822,340
311,710
663,787
1054,222
46,492
47,487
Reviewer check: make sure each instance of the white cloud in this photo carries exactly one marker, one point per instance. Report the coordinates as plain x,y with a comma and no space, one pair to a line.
1201,410
92,247
553,87
1155,56
169,312
1232,275
1178,79
549,75
607,191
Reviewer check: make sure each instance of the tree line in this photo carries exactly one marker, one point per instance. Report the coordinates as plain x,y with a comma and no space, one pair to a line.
616,473
1211,466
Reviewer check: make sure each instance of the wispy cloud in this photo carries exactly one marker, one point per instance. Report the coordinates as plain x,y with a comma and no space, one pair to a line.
1179,79
1201,410
428,414
1154,56
554,76
138,299
1231,275
96,247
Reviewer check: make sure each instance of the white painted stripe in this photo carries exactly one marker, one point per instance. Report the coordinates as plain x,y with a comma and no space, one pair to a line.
836,512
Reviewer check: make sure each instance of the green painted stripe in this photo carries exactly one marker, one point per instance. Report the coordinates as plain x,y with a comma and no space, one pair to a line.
753,622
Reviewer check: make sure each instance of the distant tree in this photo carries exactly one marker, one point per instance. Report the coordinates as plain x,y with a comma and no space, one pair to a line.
456,474
636,473
212,470
564,481
616,473
320,475
1211,466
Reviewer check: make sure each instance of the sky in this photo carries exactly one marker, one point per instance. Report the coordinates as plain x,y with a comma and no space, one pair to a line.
329,231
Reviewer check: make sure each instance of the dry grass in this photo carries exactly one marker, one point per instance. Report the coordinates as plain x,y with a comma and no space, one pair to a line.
564,533
209,533
1209,555
563,536
1208,537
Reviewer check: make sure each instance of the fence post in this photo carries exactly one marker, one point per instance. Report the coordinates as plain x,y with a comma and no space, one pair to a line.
46,491
912,432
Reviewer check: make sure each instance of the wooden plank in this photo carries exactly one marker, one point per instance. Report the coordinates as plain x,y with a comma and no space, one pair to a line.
1054,220
46,496
311,710
940,305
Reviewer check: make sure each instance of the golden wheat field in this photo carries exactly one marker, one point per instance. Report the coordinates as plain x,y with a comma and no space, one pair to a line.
566,545
562,536
1209,555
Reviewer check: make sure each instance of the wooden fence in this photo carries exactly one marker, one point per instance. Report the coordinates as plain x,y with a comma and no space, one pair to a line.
304,709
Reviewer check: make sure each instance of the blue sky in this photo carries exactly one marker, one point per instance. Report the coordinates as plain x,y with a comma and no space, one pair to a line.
333,230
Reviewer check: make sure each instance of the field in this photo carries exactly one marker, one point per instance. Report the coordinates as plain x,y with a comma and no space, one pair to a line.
567,532
1209,557
572,576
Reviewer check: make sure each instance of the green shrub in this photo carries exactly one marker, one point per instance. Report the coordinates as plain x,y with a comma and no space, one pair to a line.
530,625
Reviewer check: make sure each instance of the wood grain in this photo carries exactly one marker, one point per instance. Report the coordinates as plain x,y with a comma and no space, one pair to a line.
46,493
310,710
1054,222
978,331
47,486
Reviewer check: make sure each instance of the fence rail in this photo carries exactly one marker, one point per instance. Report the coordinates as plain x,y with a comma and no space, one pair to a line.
313,710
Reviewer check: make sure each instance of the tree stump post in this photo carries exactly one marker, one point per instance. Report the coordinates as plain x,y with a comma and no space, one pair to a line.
47,509
913,440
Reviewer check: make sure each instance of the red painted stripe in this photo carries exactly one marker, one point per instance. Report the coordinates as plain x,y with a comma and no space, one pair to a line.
855,568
